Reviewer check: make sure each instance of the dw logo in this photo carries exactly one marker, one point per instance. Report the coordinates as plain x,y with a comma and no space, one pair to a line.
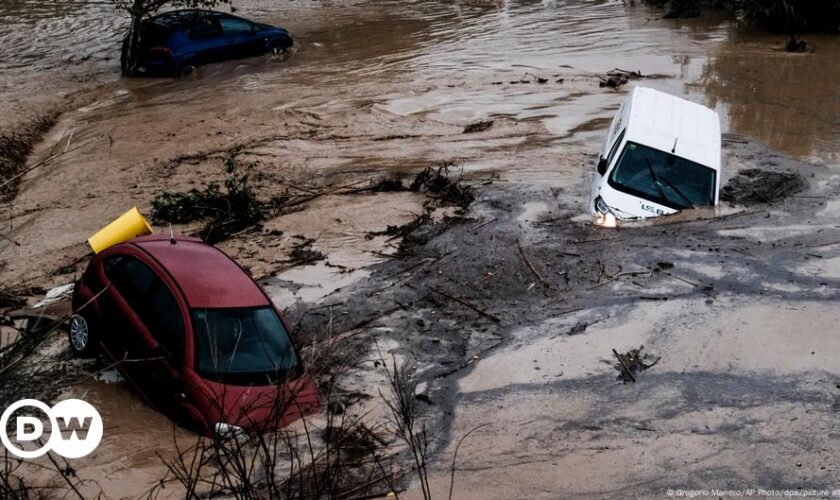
75,429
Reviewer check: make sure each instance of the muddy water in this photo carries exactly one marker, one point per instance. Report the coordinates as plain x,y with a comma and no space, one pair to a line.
374,88
786,100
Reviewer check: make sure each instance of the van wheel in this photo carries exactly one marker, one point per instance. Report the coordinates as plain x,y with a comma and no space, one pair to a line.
83,335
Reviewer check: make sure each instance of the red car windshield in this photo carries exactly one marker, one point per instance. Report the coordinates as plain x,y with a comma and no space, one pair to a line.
243,346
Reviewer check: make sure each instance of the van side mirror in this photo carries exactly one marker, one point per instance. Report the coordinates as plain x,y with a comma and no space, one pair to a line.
602,166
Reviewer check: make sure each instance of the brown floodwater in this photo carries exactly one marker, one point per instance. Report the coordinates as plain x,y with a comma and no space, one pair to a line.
789,101
396,82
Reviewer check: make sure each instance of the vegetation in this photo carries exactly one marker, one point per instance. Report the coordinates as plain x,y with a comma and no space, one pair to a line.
436,183
344,457
227,208
788,16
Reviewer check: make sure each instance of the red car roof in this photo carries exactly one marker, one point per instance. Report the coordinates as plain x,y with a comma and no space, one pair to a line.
206,275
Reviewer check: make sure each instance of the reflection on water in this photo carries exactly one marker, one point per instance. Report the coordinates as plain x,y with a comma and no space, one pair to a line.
788,100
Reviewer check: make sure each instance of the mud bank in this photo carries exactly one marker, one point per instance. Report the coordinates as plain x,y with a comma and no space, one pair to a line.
518,341
507,318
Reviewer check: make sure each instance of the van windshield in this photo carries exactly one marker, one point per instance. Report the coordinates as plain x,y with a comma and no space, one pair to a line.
663,178
243,346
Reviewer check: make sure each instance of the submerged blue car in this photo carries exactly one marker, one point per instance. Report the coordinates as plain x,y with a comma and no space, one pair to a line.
177,41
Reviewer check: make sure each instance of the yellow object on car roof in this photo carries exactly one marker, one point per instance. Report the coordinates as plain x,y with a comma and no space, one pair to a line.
128,225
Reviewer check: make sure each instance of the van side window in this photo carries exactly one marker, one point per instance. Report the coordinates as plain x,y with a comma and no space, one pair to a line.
151,300
614,148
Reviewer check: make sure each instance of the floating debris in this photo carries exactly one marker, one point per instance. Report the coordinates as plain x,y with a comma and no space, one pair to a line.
633,362
794,44
579,328
481,126
303,252
618,77
436,182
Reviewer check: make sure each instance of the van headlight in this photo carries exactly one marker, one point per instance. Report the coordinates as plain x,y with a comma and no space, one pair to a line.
606,217
601,206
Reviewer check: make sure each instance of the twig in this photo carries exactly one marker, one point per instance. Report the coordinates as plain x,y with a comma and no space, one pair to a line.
744,252
46,334
9,239
824,244
467,304
620,360
682,279
385,255
476,228
44,162
569,311
69,139
580,242
415,274
410,268
306,199
455,457
530,265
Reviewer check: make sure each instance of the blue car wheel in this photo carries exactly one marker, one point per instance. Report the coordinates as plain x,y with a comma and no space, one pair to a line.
280,45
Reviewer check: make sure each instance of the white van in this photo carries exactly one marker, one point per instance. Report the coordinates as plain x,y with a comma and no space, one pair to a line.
662,155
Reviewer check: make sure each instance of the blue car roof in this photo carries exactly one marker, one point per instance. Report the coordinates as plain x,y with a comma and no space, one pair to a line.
175,17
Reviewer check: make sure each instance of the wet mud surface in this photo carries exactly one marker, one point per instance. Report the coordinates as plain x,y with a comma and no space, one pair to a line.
508,317
742,392
507,313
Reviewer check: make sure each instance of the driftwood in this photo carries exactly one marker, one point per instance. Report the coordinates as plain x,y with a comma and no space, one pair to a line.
463,302
530,265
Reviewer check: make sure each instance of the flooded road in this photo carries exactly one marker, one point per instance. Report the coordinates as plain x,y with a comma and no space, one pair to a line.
385,89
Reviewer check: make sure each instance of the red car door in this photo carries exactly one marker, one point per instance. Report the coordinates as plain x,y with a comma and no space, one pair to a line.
147,326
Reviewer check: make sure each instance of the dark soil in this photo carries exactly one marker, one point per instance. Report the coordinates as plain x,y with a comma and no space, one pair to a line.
465,288
754,186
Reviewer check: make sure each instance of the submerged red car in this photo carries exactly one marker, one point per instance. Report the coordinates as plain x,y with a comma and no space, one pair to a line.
197,337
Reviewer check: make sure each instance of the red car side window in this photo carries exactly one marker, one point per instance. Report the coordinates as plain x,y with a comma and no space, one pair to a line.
152,300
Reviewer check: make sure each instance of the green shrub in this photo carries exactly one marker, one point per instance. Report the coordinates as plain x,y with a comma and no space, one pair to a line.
227,208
